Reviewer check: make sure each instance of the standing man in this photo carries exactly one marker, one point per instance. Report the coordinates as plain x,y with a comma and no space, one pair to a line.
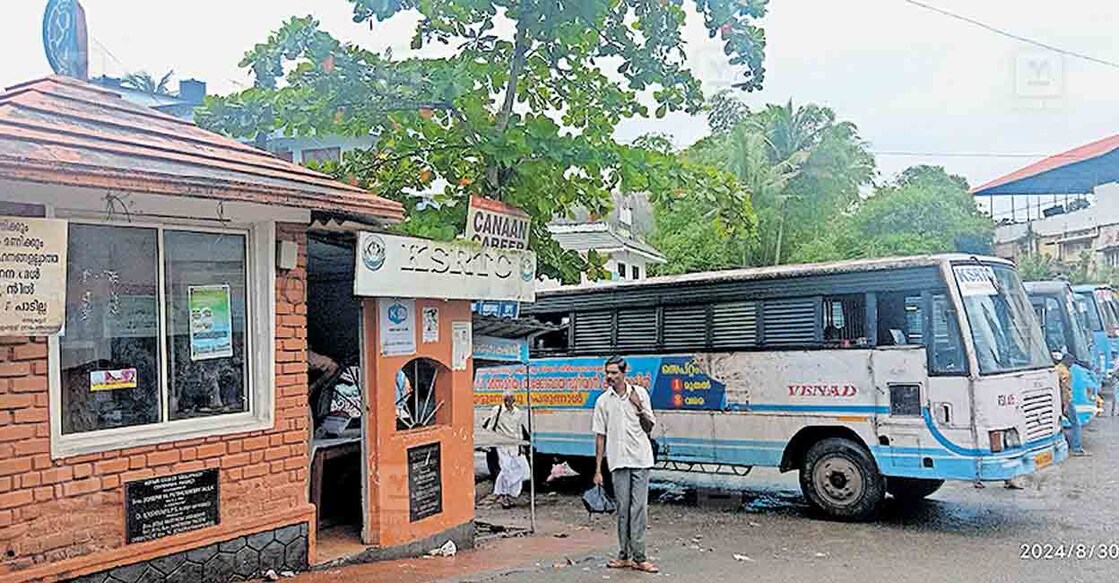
508,420
1064,379
623,418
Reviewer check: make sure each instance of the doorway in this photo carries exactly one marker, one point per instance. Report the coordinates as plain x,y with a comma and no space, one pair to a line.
335,389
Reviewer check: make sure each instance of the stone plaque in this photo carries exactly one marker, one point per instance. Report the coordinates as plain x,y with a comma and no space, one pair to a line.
169,505
425,483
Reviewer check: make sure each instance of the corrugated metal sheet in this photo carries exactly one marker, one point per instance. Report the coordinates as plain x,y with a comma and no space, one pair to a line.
594,332
734,325
791,283
790,322
685,327
637,330
60,130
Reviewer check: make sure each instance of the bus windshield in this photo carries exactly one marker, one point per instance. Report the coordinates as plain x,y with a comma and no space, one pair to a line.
1106,301
1003,327
1088,312
1079,343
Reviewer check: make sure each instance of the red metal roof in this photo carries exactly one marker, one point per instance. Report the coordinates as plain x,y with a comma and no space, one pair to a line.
60,130
1073,156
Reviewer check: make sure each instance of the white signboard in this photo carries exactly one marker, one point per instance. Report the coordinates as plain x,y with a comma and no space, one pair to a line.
461,344
491,223
392,266
397,326
32,276
975,280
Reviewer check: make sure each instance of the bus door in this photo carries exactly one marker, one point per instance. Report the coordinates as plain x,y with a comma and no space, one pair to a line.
900,379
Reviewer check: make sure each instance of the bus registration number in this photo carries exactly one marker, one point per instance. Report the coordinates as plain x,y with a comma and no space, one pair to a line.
1043,459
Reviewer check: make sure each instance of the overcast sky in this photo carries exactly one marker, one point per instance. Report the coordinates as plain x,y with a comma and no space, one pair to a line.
922,87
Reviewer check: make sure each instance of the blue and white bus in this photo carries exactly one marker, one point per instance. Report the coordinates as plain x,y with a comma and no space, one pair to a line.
1065,333
868,377
1099,309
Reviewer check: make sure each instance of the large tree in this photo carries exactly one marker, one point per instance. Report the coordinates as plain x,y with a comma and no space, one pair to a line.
524,109
925,210
802,167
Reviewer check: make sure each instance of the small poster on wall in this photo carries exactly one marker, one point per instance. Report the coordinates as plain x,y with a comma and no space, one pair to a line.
111,380
211,322
397,326
462,345
431,325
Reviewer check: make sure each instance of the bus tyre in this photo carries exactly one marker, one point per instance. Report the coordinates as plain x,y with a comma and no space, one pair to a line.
840,478
911,490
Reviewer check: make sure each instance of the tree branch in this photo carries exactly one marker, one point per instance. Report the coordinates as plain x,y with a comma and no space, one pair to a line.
516,65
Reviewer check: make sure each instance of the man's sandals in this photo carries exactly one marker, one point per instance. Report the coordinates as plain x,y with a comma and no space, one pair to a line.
644,566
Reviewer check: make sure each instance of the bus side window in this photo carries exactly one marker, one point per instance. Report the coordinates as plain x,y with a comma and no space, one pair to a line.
845,320
900,319
1053,327
946,354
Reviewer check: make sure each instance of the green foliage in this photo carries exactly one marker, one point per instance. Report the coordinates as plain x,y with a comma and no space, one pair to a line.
143,81
925,210
801,166
523,111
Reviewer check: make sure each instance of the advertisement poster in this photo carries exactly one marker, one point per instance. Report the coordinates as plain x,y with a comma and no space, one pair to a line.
32,276
492,223
431,325
211,322
500,349
397,326
111,380
674,382
461,345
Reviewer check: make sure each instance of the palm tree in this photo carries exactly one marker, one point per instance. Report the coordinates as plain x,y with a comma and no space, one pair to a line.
143,81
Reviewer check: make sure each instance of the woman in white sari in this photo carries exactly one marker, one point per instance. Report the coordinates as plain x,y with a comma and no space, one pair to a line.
508,420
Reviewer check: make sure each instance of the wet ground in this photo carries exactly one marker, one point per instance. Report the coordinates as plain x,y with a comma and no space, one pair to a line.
759,528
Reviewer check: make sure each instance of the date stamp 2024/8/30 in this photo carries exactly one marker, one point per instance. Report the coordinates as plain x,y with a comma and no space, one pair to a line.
1068,550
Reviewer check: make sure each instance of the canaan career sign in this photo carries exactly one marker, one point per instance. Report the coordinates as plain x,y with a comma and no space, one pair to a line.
405,267
491,223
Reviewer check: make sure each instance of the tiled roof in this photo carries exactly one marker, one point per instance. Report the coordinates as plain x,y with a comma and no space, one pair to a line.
59,130
600,237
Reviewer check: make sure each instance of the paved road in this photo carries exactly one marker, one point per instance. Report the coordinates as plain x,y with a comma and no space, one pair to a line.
960,534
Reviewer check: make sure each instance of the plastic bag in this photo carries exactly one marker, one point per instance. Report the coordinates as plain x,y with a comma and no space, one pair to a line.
597,502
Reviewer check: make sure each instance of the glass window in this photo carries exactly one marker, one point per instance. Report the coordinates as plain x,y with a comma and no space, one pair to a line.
1049,313
417,389
110,353
116,346
621,270
1088,303
206,306
635,271
1006,335
844,320
946,350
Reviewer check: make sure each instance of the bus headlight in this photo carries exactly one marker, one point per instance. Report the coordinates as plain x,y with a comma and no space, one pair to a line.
996,441
1002,439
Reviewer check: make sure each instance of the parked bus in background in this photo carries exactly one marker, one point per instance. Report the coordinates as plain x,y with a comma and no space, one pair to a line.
1056,309
867,377
1099,301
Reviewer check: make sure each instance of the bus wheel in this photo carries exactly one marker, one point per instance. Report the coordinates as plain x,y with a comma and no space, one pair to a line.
910,490
840,478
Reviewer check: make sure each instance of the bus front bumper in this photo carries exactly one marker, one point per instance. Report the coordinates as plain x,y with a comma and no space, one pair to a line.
1038,458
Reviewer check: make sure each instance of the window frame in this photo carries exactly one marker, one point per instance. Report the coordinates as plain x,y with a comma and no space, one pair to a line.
260,350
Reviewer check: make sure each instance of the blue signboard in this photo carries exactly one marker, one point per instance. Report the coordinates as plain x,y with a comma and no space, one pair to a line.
501,309
674,382
64,38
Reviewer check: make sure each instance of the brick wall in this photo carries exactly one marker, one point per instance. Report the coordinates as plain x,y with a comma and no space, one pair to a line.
52,510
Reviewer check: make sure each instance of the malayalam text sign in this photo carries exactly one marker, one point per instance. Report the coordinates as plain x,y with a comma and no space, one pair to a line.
32,276
492,223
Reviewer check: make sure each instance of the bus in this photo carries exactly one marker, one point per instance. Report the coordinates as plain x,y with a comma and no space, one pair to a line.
867,377
1100,312
1064,331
